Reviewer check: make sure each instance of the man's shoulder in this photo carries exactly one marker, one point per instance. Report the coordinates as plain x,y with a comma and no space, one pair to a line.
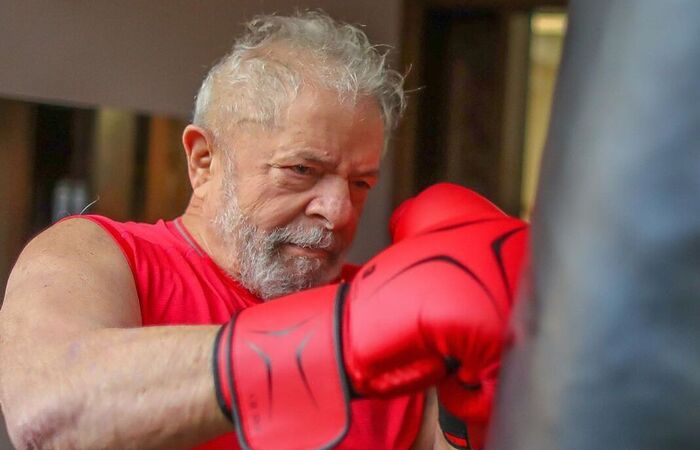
89,238
68,236
66,250
115,226
130,234
73,271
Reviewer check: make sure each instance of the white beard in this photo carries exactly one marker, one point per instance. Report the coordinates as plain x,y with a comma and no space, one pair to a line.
262,267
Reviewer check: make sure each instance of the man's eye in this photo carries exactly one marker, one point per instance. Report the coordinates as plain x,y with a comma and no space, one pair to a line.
300,169
362,184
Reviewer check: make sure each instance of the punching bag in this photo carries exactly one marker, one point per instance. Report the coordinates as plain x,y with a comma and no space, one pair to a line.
606,349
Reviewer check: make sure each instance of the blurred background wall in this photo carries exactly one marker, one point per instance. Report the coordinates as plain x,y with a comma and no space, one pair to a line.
94,97
147,56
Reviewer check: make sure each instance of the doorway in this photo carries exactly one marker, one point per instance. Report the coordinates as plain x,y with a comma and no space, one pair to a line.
478,107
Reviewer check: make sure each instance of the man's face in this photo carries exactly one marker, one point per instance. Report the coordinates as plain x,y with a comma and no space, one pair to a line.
291,197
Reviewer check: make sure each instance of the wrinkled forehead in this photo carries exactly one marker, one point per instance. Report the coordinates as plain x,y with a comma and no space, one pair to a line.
312,107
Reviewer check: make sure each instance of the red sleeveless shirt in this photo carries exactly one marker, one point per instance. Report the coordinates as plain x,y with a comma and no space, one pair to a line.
178,284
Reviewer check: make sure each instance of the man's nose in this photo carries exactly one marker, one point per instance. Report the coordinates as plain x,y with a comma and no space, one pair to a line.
332,202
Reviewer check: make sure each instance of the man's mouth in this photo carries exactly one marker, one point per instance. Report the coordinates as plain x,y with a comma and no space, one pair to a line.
302,250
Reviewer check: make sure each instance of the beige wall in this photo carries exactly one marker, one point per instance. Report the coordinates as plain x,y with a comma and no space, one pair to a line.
142,55
546,47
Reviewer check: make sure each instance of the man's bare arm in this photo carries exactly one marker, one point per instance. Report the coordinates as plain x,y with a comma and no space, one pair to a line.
76,370
430,436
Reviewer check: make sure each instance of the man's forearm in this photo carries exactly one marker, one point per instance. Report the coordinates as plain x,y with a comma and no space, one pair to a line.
430,436
440,441
112,388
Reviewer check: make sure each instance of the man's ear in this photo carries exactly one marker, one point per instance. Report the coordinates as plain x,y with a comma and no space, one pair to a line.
199,148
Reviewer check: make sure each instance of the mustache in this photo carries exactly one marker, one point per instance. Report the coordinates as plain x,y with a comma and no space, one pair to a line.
314,237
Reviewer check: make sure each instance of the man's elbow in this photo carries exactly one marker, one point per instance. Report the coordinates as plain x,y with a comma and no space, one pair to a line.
21,435
35,425
18,429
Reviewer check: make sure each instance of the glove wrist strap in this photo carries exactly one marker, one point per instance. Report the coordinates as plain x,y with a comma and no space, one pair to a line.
454,430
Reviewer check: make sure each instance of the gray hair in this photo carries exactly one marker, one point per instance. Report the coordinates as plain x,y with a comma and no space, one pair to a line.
277,55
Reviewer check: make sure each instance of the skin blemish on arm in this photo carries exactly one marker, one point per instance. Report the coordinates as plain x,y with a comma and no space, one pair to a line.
73,351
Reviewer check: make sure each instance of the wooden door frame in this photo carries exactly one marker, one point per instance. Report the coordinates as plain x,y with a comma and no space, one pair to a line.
414,13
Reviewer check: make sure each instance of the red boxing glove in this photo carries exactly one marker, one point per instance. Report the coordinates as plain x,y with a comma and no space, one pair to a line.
441,203
465,408
424,307
416,312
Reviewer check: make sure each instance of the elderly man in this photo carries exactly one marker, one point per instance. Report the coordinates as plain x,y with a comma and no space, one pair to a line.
286,142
